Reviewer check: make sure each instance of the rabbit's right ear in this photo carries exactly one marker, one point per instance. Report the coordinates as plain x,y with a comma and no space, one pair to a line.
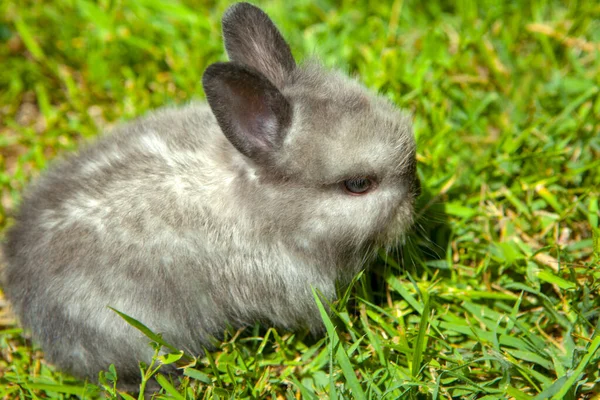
252,39
251,111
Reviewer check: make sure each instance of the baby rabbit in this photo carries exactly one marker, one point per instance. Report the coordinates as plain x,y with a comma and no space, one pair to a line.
194,218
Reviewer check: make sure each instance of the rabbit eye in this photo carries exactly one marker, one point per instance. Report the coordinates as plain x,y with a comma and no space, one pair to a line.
357,186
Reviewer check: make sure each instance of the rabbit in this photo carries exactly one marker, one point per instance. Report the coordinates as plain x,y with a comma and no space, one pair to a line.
208,215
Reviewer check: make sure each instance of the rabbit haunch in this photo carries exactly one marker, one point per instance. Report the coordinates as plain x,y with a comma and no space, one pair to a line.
194,218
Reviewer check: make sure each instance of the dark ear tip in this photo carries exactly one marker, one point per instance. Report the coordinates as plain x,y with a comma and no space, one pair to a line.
239,9
210,73
212,70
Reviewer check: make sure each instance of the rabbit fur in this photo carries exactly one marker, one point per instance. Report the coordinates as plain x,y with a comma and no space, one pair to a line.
227,213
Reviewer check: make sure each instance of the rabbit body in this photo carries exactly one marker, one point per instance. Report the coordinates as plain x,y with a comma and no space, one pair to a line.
227,213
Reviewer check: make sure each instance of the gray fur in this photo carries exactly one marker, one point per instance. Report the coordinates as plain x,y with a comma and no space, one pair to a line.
167,221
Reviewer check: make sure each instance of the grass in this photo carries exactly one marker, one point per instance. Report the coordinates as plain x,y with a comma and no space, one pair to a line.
497,292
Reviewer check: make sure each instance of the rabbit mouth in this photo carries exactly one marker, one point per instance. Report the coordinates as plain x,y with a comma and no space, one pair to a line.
396,230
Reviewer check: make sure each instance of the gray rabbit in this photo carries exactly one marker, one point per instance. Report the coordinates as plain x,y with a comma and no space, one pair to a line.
194,218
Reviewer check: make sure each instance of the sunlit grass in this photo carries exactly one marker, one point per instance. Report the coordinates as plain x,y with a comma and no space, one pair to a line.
495,295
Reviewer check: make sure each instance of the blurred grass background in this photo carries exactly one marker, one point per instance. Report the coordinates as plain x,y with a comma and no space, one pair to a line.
496,294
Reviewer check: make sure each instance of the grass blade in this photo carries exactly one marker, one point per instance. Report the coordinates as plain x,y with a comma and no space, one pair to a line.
340,354
146,331
576,374
421,343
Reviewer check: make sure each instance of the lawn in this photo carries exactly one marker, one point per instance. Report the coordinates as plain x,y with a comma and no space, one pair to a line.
496,293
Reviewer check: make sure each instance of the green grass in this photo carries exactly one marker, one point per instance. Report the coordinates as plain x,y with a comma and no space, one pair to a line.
497,293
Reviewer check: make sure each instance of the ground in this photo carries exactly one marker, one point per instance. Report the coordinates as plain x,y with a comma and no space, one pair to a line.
496,293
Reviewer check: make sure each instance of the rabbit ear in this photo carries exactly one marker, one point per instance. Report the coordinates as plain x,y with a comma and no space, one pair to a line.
252,39
252,113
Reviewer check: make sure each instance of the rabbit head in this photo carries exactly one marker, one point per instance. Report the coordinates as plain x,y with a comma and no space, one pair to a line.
331,165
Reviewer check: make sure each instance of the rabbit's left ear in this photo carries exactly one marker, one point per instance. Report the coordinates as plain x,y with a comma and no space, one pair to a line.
252,39
251,111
